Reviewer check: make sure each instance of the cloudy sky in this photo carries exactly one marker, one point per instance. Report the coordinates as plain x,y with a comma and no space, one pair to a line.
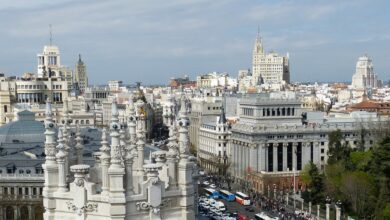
151,41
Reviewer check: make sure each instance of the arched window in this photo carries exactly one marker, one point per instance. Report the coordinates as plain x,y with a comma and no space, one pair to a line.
87,122
21,171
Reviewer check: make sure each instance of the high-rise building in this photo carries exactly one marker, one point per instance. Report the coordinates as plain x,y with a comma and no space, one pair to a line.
49,59
269,68
81,75
364,77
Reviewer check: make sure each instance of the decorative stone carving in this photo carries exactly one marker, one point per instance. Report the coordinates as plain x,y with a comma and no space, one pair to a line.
89,207
144,206
80,171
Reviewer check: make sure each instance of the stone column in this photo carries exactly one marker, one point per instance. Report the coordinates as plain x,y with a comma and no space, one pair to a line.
338,210
285,156
253,157
275,157
318,211
327,204
294,155
262,157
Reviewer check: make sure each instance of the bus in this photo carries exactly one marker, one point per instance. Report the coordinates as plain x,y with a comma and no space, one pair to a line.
211,193
226,195
263,216
242,198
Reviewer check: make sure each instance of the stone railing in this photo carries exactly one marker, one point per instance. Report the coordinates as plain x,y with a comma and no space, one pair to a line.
21,176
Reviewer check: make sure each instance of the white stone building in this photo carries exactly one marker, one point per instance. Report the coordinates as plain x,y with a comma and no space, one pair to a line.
214,135
216,80
269,68
122,186
364,77
275,136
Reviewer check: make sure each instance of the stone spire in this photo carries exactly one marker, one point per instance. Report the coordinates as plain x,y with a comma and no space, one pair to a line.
222,117
132,130
183,123
105,160
115,140
61,158
79,146
172,140
116,171
172,156
50,166
66,112
50,141
185,166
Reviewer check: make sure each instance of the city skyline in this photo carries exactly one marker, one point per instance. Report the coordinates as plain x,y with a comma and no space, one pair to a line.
143,41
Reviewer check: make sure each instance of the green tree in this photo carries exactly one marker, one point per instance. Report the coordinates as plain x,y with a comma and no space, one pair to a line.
314,182
337,150
358,189
379,166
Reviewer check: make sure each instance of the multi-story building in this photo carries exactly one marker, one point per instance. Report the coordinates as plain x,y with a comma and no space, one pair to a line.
275,138
364,77
201,107
269,68
214,135
182,82
123,185
216,80
81,77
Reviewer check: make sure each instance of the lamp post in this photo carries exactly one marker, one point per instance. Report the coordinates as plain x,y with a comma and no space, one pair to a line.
327,203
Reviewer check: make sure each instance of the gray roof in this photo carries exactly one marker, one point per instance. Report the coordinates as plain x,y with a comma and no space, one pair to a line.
26,129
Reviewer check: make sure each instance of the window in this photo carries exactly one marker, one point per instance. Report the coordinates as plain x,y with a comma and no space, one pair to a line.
322,150
322,158
21,171
322,143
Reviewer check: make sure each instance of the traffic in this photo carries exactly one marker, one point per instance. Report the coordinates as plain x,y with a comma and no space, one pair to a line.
213,204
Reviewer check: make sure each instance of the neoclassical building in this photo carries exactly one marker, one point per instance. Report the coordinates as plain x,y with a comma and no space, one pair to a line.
121,184
275,138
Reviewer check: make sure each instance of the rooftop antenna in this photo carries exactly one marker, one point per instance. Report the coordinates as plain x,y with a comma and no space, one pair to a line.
51,36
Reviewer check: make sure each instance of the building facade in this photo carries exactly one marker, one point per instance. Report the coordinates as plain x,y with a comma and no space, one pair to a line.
81,77
214,135
273,141
364,77
269,68
132,189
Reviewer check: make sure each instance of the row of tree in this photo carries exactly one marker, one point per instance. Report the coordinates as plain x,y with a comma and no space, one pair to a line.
359,178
